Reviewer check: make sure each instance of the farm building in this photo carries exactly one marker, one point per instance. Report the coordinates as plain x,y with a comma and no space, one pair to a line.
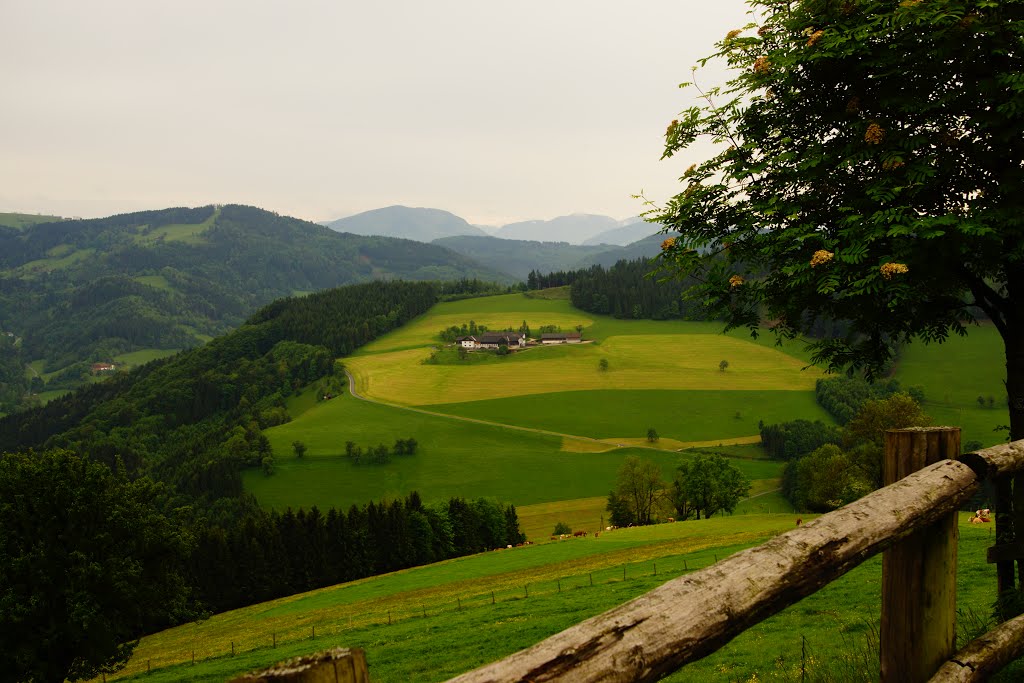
492,340
561,338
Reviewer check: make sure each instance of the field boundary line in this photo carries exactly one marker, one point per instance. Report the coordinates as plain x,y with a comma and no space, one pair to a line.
491,423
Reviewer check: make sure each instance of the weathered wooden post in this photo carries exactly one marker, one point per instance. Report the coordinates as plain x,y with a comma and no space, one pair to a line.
918,630
340,665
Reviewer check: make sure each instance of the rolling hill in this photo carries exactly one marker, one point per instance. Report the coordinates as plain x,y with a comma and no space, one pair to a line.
422,225
79,291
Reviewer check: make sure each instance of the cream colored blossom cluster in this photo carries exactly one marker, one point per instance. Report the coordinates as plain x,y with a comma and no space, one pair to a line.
890,270
735,281
668,243
821,257
762,65
874,134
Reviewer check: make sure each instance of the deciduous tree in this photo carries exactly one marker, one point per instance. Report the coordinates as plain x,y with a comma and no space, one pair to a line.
708,484
870,171
638,488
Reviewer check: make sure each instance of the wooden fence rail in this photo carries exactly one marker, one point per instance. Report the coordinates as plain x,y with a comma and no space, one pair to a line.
690,617
694,615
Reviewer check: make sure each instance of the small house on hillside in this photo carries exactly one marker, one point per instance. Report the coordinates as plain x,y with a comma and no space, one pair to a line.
97,368
561,338
469,342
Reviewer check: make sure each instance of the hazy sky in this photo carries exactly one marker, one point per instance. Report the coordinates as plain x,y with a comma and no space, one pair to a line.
320,109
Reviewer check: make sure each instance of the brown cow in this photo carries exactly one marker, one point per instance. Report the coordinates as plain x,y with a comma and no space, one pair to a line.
577,534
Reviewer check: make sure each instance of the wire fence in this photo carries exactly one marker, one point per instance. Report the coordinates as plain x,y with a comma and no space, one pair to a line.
369,616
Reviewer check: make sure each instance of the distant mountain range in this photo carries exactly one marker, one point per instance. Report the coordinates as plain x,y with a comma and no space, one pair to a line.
79,291
428,225
422,225
519,257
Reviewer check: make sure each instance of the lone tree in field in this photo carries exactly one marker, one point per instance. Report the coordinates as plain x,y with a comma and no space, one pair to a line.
652,435
723,365
871,168
299,448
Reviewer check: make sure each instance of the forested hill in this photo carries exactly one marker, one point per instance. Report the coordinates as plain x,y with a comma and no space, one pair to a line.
195,419
79,291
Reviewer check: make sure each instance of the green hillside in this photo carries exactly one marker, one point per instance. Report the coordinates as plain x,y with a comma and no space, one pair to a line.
443,621
954,374
19,221
80,291
544,424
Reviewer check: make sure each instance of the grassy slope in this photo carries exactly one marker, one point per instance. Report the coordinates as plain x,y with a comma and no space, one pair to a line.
24,220
954,374
837,621
651,364
455,458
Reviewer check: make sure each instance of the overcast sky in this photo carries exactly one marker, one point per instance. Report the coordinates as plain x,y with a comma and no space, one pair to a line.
321,109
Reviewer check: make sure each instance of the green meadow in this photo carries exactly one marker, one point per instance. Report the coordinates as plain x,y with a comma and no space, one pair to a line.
954,374
454,458
454,616
691,415
543,425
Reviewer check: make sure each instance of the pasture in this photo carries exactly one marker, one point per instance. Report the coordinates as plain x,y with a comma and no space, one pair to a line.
635,362
455,458
954,374
683,416
443,620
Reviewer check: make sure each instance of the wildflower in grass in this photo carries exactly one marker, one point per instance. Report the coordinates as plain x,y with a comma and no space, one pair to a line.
821,257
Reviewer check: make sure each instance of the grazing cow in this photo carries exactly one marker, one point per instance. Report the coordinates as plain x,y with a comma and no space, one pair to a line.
577,534
981,516
976,520
799,521
671,519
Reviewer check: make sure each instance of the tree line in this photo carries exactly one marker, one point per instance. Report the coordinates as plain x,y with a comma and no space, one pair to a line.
265,555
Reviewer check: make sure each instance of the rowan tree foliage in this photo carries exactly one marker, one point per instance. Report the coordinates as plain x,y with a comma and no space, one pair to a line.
870,171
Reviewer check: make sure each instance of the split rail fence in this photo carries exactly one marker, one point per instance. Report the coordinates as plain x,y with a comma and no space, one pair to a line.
912,519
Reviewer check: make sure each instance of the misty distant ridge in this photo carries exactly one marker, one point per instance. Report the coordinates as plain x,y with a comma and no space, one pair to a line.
427,225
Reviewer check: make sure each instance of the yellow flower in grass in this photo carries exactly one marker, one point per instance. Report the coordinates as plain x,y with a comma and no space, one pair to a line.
668,243
821,257
890,270
735,281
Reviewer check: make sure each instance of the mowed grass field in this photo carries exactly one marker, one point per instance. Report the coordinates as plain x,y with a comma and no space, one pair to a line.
454,458
454,616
